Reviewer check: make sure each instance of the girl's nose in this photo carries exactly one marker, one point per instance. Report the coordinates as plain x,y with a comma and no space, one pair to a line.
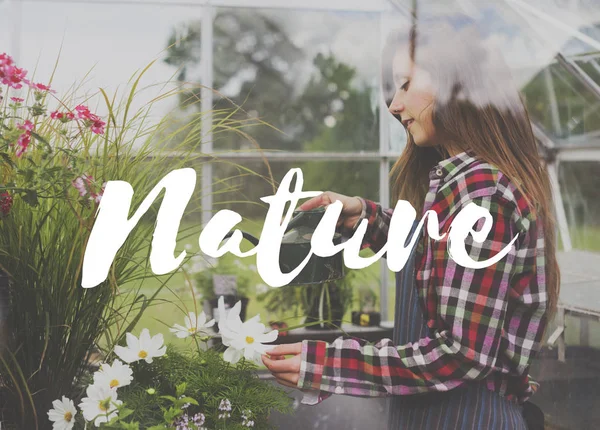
396,107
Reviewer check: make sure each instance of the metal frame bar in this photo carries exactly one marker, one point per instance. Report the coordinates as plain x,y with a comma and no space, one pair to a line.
553,103
16,17
288,156
561,216
207,103
579,154
333,5
579,73
384,182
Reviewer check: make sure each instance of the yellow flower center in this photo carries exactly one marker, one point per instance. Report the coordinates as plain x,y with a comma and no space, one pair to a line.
192,330
68,417
114,383
142,354
249,339
104,405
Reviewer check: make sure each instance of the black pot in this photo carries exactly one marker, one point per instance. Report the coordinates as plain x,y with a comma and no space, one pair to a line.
366,319
295,246
320,309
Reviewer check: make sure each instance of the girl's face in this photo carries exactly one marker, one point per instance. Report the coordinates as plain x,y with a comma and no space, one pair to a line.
413,99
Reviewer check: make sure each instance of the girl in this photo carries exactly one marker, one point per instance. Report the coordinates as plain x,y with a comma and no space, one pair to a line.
464,338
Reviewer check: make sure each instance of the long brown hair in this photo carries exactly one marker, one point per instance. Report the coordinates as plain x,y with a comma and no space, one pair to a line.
478,108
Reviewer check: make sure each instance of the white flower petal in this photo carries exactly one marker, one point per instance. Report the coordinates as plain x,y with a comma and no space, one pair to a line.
269,337
232,355
248,353
132,341
201,319
126,354
145,338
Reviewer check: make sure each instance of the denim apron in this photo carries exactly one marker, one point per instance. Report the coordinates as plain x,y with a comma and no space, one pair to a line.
471,406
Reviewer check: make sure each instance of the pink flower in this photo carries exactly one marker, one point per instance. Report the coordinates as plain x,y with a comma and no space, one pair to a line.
17,99
6,200
98,126
5,59
62,116
27,126
24,139
85,184
83,112
23,143
12,76
96,197
93,121
41,87
80,186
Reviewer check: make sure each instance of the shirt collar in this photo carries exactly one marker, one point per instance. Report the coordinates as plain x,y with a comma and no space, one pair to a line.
450,167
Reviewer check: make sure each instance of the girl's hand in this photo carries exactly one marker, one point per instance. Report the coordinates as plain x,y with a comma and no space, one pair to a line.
285,370
351,210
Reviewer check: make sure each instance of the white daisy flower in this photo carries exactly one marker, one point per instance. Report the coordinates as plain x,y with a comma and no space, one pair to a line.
243,338
100,405
193,325
144,348
115,376
62,414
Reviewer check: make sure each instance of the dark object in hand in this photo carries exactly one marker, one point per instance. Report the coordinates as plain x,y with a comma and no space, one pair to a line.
279,325
366,319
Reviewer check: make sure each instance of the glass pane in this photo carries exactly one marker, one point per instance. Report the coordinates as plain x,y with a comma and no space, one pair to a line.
100,48
591,67
315,90
562,104
5,28
581,199
236,188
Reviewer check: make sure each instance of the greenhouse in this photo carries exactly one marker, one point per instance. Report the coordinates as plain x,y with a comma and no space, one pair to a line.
94,91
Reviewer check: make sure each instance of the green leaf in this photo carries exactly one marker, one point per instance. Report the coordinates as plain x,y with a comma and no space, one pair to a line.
180,389
40,138
7,159
189,400
171,398
125,412
31,198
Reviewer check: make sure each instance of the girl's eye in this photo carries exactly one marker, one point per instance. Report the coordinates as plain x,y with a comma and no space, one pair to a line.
404,86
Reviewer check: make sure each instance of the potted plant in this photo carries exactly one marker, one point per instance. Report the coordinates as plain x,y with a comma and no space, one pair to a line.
55,156
228,277
322,305
326,304
146,384
367,302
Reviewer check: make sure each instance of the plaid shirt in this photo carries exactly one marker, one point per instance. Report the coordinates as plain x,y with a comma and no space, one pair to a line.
484,324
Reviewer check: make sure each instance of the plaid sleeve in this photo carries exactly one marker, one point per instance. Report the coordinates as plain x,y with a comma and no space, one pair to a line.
379,222
465,312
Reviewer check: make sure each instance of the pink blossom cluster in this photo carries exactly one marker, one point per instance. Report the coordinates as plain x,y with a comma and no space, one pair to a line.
63,116
6,202
25,138
85,184
14,76
93,121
